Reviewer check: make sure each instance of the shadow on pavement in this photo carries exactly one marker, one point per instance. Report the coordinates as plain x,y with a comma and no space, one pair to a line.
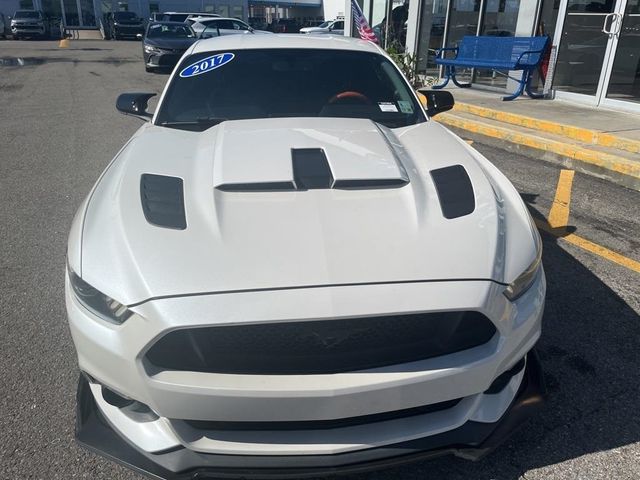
590,355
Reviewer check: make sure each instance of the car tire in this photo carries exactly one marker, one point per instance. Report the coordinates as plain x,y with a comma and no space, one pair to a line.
148,69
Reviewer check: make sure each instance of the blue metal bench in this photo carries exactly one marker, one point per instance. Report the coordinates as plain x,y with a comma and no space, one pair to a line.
495,53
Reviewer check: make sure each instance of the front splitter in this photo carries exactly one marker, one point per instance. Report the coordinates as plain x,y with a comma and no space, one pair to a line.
473,440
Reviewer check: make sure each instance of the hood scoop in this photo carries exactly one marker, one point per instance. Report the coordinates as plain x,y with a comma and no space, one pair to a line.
352,155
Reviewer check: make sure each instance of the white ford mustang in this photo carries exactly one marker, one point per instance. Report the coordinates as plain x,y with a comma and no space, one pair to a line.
290,270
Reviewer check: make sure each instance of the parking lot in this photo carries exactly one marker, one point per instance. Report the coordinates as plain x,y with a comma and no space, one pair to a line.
59,129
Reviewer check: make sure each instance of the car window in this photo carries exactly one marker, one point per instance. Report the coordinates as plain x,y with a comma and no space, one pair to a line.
27,14
239,25
338,26
299,82
159,30
122,16
225,24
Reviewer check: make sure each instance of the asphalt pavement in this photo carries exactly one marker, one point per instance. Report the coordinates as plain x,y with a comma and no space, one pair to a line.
58,131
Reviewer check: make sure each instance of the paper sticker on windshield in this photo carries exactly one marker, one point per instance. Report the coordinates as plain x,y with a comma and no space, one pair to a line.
405,106
207,64
387,106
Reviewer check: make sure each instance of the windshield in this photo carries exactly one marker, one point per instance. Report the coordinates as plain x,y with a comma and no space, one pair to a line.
124,16
27,14
159,30
217,86
324,24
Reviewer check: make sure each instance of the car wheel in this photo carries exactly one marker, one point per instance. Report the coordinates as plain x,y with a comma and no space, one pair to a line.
148,69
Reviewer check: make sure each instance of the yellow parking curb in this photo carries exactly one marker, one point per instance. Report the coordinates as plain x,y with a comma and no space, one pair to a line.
64,43
576,133
575,152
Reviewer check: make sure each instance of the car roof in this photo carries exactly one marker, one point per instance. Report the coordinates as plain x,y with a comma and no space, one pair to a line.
284,40
162,22
208,19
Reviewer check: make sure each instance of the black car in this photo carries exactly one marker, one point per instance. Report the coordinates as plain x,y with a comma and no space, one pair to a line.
164,43
124,25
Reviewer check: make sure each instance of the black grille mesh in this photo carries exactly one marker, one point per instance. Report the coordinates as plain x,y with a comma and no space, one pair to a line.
317,347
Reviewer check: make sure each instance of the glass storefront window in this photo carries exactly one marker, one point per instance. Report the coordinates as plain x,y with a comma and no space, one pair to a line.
433,14
624,83
222,10
237,12
499,20
463,20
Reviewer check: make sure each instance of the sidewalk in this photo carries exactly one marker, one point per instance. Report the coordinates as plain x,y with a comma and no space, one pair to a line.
600,142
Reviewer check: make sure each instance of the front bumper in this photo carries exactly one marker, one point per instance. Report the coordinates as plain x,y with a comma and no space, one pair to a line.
162,60
173,446
28,30
472,440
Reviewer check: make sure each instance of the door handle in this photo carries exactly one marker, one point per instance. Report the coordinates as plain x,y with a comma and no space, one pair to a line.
618,22
604,25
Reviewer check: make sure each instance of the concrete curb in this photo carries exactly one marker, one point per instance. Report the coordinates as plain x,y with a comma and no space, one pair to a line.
576,133
604,165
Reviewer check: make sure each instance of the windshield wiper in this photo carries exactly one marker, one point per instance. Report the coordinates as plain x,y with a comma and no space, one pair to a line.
200,122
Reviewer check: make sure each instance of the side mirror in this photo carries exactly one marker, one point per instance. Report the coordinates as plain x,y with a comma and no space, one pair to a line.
139,36
438,101
135,104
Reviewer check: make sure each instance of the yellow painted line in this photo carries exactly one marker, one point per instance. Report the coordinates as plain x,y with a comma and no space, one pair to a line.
559,214
575,152
577,133
589,246
470,142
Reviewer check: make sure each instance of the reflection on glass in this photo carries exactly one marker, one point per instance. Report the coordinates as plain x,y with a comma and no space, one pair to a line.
431,32
624,83
499,20
582,49
71,16
88,16
463,20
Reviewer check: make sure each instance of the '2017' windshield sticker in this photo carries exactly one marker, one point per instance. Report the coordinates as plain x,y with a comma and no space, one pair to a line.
207,64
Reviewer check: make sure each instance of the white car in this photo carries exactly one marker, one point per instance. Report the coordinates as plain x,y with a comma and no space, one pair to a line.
216,27
335,27
300,276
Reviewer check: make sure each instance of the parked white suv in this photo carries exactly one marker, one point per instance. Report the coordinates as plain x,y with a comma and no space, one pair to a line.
215,27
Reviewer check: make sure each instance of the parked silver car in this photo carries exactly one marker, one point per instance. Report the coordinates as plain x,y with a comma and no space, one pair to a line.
334,27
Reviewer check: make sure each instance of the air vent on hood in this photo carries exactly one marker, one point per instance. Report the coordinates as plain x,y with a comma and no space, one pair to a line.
455,191
311,168
163,201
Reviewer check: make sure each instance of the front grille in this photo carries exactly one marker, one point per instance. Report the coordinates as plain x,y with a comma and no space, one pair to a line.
319,347
323,424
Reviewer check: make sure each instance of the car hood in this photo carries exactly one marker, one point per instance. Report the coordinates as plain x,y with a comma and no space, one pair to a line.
170,43
244,240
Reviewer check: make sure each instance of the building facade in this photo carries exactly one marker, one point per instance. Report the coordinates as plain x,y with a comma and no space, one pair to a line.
595,55
87,13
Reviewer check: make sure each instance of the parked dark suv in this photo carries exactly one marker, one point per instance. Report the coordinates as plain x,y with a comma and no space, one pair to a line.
123,25
285,25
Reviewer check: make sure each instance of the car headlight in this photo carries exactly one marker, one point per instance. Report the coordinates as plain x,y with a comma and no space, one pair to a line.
151,49
97,302
526,278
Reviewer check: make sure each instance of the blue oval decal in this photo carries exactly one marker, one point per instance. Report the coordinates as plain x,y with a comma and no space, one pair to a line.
207,64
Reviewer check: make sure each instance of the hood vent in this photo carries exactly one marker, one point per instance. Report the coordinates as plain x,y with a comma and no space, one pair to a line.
455,191
163,201
311,169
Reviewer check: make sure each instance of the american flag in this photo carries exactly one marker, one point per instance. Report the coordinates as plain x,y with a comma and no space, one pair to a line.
364,30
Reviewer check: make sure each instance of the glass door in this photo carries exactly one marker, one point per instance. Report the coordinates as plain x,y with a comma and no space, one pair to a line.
624,79
599,52
78,13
